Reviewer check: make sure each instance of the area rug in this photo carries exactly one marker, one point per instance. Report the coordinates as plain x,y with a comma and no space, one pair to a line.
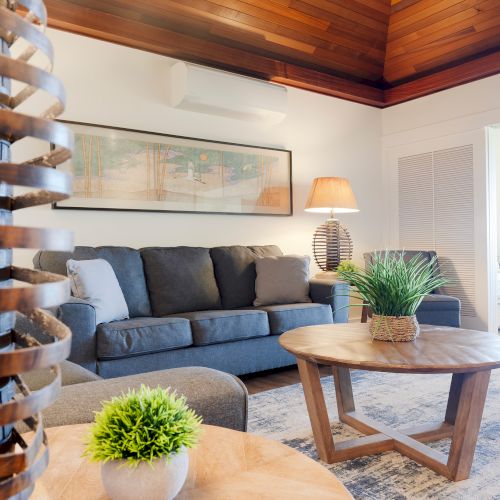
399,401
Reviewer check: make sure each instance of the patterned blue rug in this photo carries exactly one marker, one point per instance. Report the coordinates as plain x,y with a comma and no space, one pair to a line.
399,401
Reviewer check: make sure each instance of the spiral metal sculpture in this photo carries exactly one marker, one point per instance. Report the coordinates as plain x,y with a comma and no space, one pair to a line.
26,291
332,244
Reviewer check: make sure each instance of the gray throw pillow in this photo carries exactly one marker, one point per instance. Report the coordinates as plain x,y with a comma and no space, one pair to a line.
95,282
282,280
180,279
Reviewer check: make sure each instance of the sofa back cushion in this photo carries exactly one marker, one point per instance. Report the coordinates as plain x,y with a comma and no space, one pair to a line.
180,279
235,272
55,262
126,263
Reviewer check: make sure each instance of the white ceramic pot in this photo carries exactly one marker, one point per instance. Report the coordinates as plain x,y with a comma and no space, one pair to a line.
160,480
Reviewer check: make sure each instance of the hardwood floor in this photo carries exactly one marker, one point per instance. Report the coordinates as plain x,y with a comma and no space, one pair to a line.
273,379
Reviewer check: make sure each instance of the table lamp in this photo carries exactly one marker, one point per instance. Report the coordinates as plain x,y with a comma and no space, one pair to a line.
331,242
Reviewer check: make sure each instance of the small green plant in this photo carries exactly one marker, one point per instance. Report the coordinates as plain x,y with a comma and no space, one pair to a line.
347,265
392,286
142,425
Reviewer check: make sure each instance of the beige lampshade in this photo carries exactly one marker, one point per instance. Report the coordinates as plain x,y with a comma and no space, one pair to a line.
331,194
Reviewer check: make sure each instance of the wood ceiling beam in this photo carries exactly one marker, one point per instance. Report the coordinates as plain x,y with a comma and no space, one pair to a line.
463,73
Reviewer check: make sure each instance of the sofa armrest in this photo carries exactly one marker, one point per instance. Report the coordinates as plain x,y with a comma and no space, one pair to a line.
332,292
80,317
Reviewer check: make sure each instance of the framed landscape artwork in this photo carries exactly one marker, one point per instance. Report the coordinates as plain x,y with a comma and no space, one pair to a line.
120,169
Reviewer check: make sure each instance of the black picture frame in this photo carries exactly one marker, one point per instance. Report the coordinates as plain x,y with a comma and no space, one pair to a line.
65,205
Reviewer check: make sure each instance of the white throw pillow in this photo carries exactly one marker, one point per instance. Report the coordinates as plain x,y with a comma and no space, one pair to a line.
95,282
282,280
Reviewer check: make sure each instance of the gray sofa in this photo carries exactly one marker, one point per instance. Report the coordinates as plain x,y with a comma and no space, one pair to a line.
437,308
188,306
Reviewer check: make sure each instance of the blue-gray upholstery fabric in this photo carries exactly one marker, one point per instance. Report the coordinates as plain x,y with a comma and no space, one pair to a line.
439,318
121,339
126,263
180,279
439,310
214,327
334,293
239,358
235,272
55,262
266,250
284,317
439,302
128,267
80,317
220,398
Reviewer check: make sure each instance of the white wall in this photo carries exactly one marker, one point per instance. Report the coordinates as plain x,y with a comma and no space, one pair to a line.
495,157
456,110
454,117
114,85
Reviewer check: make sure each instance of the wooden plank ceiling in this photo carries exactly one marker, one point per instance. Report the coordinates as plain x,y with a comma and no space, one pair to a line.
377,52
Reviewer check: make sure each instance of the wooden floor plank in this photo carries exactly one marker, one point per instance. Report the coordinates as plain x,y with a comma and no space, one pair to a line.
273,379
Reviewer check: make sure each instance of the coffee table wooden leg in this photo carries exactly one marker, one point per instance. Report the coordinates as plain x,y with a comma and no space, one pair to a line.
453,398
316,407
343,391
466,406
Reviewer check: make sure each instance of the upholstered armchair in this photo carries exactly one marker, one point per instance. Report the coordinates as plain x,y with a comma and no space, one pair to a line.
437,308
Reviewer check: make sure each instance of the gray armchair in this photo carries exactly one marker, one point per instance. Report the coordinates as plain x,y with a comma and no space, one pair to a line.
437,308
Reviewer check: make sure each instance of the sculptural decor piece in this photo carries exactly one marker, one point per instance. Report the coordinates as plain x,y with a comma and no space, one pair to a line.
22,25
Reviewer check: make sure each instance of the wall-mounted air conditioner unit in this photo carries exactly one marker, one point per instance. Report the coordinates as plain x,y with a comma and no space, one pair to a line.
204,90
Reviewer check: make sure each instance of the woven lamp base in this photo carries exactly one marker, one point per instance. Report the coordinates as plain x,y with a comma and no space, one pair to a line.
394,328
332,244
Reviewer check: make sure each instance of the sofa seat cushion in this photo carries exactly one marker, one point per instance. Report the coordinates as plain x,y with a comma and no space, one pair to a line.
437,302
286,317
121,339
214,327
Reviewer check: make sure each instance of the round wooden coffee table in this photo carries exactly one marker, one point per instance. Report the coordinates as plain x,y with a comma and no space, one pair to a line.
225,465
469,355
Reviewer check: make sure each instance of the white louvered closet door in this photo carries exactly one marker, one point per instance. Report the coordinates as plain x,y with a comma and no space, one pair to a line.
435,205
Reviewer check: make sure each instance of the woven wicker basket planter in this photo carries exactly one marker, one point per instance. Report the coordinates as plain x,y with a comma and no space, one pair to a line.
394,328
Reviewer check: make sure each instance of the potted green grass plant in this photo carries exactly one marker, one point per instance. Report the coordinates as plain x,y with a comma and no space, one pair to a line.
393,287
346,265
142,438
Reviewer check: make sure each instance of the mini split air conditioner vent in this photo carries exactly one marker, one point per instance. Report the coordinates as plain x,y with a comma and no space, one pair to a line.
203,90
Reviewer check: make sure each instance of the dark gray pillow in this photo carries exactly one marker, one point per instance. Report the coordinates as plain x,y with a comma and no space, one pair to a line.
235,272
180,279
127,264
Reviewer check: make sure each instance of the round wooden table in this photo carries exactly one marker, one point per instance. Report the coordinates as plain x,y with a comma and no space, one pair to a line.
225,465
469,355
